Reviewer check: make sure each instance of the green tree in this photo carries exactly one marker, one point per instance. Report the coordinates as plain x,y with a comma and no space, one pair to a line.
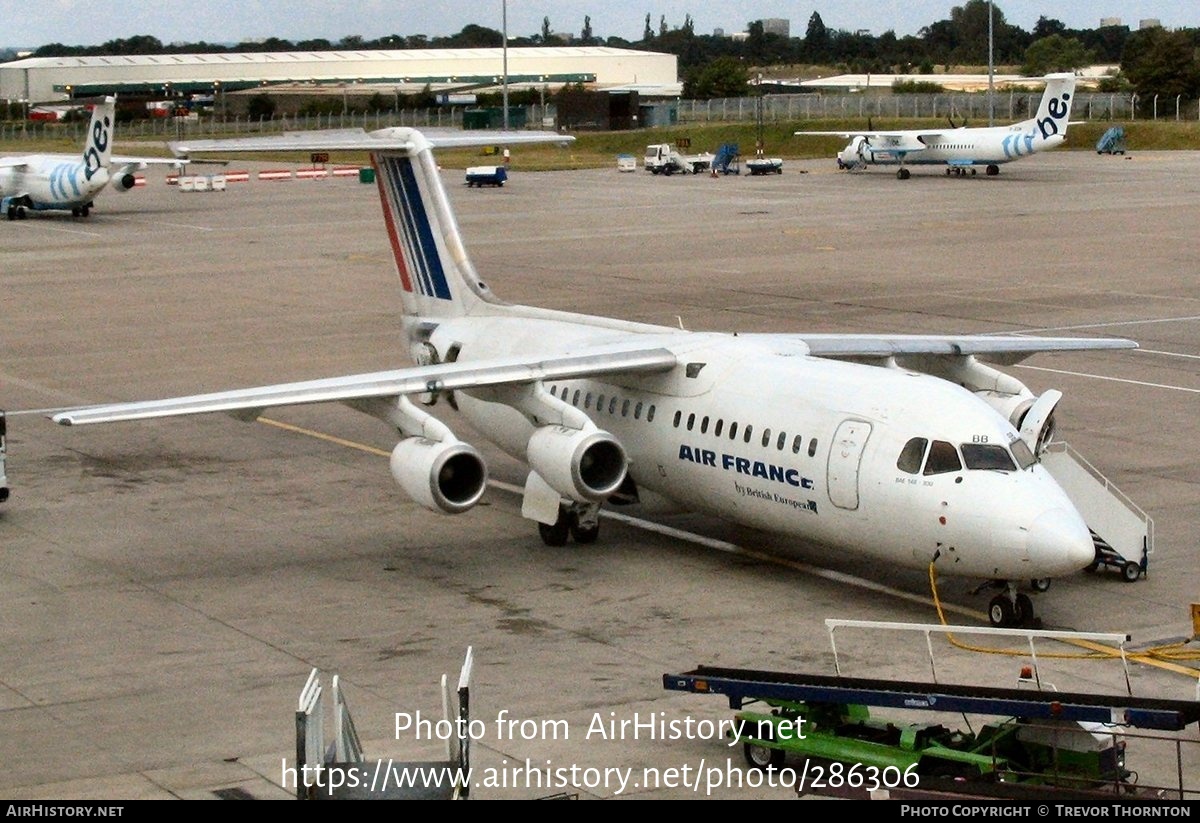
648,33
1055,53
545,29
723,77
261,107
586,34
1046,26
816,39
1158,61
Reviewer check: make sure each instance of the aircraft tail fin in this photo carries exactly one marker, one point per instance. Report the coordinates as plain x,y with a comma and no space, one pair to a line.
1054,112
97,144
436,274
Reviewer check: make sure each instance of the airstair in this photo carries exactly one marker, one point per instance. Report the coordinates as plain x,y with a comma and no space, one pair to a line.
1122,533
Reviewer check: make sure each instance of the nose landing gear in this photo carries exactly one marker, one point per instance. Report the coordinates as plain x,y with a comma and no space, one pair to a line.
1012,609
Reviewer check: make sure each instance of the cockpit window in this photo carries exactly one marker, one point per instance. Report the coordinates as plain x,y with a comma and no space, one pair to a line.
1024,456
984,456
943,457
911,455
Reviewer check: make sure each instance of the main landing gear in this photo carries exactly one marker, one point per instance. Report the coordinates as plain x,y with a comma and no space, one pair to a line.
1013,609
961,171
81,211
580,521
902,173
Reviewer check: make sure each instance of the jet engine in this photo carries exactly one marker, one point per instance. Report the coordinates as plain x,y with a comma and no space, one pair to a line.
585,466
446,476
123,182
1032,416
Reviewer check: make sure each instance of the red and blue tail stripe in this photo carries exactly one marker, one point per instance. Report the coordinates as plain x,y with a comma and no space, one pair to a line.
414,245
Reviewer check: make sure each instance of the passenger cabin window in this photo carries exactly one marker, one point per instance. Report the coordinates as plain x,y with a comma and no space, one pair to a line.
720,425
678,416
612,405
912,455
797,443
625,409
691,421
637,411
812,447
943,457
782,440
733,431
987,456
766,440
650,414
746,435
587,401
575,400
704,425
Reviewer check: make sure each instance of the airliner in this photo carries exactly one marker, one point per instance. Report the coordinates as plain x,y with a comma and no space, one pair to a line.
912,449
71,182
961,150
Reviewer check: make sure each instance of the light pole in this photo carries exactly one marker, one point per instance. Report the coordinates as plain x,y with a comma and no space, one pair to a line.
991,72
504,25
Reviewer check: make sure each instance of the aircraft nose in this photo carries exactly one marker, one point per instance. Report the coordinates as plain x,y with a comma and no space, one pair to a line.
1060,540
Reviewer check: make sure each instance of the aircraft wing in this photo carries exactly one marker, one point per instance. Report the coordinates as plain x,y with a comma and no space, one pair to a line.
905,141
140,163
1004,349
400,137
14,162
595,360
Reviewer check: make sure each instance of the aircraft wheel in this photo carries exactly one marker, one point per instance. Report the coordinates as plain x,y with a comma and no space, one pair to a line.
75,212
974,171
993,170
1023,611
1131,571
764,758
1001,613
584,534
12,212
1040,584
84,211
902,174
557,533
21,215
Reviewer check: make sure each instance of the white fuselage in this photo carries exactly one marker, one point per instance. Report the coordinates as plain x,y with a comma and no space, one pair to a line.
764,435
53,181
959,147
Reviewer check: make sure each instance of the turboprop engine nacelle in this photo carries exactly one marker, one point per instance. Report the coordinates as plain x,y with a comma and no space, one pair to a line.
585,466
123,182
442,476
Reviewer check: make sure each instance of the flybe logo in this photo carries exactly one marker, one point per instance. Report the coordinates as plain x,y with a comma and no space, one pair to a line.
96,147
744,465
1016,145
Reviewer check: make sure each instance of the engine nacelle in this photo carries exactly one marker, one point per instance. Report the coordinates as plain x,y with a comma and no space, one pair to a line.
585,466
123,182
1016,408
1012,407
442,476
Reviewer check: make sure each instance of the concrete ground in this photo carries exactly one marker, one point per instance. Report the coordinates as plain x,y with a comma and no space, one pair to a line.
166,587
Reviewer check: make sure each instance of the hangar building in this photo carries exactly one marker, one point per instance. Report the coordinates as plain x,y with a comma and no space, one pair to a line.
52,79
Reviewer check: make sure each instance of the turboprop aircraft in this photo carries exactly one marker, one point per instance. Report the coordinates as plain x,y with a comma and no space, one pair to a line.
70,182
962,149
910,449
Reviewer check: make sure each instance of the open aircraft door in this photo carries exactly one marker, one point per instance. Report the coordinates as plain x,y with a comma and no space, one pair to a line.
845,456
